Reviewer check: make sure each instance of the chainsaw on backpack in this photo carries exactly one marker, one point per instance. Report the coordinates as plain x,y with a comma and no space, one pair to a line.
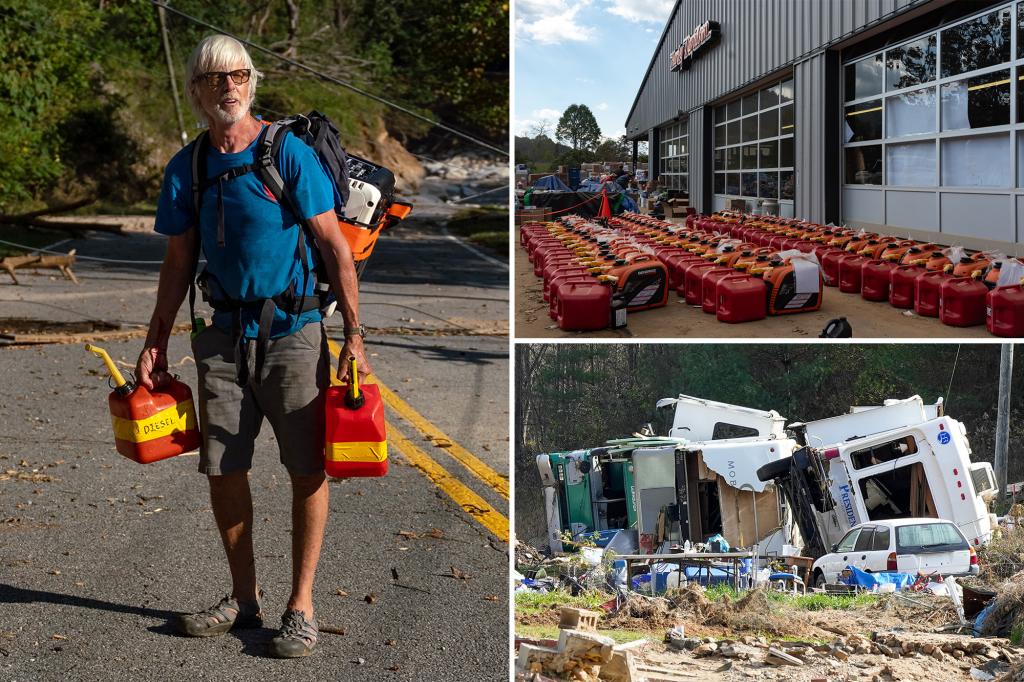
368,189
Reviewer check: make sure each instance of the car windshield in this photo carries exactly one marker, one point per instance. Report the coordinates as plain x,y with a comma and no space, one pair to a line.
928,536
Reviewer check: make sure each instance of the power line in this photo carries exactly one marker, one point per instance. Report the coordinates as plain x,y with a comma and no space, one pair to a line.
332,79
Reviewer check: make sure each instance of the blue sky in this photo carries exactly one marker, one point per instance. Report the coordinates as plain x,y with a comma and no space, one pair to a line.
592,52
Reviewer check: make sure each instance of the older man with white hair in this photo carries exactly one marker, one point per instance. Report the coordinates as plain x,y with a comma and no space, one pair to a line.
256,281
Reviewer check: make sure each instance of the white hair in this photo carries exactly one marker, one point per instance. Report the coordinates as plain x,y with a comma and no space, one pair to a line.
215,53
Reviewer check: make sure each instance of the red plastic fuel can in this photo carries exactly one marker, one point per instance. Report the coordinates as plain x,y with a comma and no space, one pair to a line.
901,285
741,298
1004,311
150,425
355,441
582,306
926,292
875,279
962,301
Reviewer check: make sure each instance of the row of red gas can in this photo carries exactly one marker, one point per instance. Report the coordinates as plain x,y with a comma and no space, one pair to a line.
960,290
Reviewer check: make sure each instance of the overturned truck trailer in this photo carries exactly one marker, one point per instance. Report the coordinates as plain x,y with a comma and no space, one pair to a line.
699,482
739,472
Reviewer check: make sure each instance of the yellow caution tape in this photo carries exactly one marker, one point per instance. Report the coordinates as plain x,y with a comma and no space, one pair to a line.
180,417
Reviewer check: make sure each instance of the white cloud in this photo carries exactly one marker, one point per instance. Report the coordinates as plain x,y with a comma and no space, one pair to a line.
616,134
603,106
640,11
586,81
552,21
547,113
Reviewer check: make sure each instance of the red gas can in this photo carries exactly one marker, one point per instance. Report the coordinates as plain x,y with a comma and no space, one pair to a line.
875,279
691,283
901,285
150,425
1004,311
355,442
709,287
962,301
850,274
741,298
582,306
926,292
829,260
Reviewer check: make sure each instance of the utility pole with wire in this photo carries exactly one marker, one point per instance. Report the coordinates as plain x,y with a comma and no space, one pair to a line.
1003,418
170,73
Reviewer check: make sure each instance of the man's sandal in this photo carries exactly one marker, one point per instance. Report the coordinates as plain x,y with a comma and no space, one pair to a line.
297,636
227,614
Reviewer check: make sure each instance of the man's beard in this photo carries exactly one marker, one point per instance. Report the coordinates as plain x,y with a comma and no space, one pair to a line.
227,118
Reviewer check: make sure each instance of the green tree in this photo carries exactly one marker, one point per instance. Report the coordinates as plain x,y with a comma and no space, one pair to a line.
614,149
579,128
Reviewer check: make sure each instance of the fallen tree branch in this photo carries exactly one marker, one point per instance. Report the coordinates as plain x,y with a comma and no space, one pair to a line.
63,226
49,210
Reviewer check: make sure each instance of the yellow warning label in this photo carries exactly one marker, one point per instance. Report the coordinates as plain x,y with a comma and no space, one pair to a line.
357,452
181,417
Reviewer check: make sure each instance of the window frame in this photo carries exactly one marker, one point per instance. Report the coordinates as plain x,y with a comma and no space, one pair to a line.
1013,131
720,142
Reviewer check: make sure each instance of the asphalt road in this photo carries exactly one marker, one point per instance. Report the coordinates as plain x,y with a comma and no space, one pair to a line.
97,552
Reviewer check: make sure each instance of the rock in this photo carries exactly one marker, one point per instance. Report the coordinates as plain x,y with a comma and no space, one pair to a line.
839,653
779,657
748,640
885,650
957,654
927,648
705,649
534,658
937,654
622,668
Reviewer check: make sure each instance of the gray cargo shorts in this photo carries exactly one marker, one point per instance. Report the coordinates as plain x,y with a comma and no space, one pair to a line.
296,372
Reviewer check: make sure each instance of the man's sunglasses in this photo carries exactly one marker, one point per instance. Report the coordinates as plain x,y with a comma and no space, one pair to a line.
215,79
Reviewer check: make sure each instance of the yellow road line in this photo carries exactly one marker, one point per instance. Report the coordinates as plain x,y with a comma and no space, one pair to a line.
436,436
471,503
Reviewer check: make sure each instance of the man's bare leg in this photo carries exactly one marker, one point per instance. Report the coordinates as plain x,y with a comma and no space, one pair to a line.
309,518
232,509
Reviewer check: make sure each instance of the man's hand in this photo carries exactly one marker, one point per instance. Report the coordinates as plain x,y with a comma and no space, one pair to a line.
353,348
151,369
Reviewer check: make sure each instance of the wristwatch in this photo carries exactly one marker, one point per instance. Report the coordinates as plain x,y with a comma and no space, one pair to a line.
359,331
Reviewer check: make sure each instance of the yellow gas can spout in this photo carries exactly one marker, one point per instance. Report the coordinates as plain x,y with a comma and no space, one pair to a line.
354,398
122,386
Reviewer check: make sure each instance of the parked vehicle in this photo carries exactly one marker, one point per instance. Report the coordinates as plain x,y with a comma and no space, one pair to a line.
916,545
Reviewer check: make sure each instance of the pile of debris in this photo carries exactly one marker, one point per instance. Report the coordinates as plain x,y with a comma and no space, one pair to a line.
580,653
992,656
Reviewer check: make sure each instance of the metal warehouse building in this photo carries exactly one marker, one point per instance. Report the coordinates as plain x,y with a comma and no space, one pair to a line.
907,114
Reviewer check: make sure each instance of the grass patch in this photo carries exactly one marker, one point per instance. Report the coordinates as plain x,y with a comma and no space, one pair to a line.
486,227
536,602
30,237
809,602
551,632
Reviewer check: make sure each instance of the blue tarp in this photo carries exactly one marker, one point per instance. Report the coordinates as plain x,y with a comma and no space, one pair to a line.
870,580
552,183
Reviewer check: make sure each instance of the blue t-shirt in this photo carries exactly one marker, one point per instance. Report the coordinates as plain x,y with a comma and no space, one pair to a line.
257,260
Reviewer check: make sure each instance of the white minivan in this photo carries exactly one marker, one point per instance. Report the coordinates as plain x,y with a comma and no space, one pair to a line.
905,545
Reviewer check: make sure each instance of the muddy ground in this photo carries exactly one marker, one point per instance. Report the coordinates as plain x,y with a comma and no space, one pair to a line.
679,320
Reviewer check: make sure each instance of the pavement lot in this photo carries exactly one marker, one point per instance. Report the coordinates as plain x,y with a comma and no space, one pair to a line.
98,552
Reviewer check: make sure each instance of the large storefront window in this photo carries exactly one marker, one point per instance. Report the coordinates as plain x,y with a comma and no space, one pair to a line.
675,157
935,111
754,148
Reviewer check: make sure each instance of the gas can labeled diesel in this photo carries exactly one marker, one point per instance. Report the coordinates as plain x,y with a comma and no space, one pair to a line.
150,425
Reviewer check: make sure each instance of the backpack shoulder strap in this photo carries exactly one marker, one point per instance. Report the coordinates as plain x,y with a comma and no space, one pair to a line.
200,146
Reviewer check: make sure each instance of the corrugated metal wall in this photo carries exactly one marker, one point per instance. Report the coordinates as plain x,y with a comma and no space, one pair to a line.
817,136
700,169
759,37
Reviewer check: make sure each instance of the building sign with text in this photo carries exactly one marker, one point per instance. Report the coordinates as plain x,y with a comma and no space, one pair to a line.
702,37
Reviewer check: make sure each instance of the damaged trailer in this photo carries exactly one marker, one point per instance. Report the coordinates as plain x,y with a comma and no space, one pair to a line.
722,469
899,460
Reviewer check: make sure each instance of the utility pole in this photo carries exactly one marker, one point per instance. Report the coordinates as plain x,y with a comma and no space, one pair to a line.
170,73
1003,418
